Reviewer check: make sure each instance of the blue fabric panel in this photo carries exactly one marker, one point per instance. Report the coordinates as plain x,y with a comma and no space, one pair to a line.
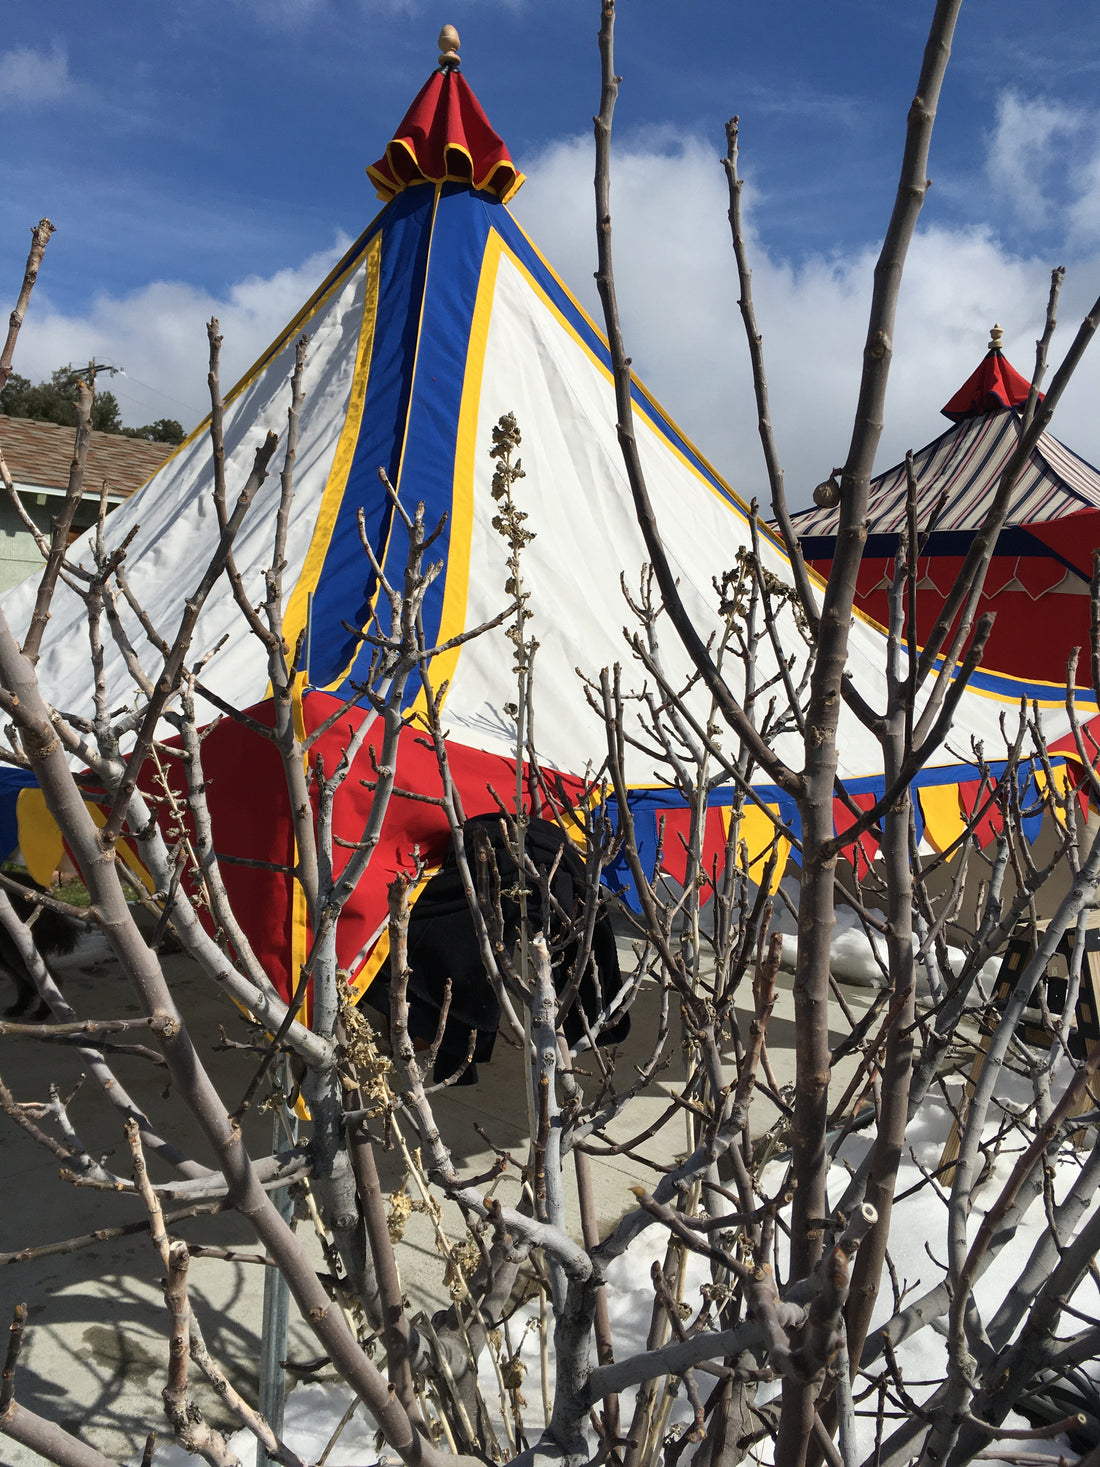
646,807
617,875
11,782
346,584
460,230
1012,689
788,813
1031,807
918,815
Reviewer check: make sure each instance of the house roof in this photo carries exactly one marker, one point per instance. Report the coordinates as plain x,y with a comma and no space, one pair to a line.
41,453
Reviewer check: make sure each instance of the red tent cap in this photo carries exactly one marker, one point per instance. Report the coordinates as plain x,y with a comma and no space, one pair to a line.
996,385
445,137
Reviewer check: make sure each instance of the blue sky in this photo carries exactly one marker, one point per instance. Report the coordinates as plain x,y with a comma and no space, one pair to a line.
208,156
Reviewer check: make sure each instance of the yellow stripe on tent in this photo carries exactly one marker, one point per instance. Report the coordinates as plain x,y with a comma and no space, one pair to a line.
40,840
299,910
383,554
298,603
41,844
456,588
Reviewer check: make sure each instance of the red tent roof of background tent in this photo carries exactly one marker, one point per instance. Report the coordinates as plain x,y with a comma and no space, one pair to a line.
995,385
445,137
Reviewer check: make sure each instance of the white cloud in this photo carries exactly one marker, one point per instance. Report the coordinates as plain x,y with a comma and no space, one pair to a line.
677,290
28,76
1084,211
1044,162
158,336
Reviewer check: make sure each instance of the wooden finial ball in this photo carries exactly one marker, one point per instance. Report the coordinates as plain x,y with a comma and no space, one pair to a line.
448,44
827,493
995,338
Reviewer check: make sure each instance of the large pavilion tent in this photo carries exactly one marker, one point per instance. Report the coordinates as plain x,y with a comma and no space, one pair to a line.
441,318
1038,579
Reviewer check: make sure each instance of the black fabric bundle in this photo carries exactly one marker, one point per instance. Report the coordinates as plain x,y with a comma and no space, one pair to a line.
443,944
54,935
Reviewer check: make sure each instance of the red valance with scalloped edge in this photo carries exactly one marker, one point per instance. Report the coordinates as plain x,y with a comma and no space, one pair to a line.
445,137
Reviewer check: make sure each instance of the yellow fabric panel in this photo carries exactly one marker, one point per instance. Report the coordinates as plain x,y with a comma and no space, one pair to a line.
41,844
345,671
299,921
573,824
758,833
944,820
39,837
1061,779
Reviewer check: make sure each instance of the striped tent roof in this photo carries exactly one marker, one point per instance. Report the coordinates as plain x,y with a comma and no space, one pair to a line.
966,464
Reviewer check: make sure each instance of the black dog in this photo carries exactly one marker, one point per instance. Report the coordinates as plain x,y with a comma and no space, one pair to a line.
54,935
443,944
